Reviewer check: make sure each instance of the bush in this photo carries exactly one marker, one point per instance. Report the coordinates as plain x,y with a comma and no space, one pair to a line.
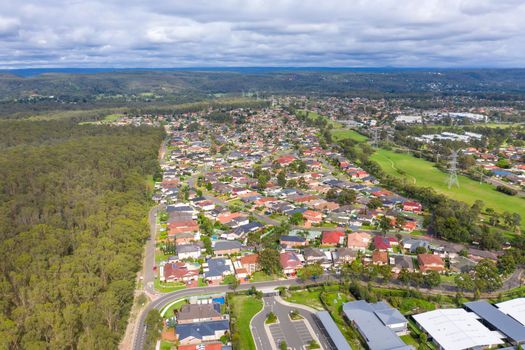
507,190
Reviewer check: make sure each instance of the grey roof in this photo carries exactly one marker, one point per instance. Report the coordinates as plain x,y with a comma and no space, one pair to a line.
227,245
198,311
201,329
497,319
331,328
313,253
187,248
377,335
285,238
216,267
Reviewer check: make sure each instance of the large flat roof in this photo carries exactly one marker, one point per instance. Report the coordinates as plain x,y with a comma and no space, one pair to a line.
331,328
457,329
497,319
515,308
377,335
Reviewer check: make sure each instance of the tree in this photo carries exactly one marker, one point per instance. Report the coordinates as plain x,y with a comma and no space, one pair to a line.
269,261
432,279
310,271
374,203
346,197
283,345
506,264
487,277
385,224
281,178
464,282
153,323
296,219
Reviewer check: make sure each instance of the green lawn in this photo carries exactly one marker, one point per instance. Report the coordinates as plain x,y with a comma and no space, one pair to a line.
260,276
341,134
168,287
306,297
244,308
169,312
411,305
424,174
409,340
166,345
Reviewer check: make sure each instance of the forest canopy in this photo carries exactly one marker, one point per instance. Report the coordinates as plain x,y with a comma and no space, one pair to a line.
73,220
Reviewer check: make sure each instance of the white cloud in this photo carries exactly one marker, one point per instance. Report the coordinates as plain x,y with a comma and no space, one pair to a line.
262,32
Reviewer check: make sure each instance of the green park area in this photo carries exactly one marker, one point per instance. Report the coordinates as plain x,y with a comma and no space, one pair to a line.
424,174
243,309
341,134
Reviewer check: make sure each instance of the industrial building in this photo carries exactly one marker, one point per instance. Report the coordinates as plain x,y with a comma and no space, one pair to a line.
378,324
457,329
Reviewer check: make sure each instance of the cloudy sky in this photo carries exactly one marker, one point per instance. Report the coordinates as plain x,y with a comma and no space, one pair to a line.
196,33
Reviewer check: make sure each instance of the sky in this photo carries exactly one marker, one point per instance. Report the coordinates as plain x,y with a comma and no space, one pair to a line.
249,33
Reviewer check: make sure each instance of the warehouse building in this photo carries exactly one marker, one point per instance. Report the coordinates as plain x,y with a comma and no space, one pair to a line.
378,324
495,319
457,329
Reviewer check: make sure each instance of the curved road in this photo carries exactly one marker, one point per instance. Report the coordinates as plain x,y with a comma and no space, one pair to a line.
140,330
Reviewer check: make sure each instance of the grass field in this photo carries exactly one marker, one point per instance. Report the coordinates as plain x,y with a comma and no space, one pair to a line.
423,173
315,116
341,134
244,308
306,297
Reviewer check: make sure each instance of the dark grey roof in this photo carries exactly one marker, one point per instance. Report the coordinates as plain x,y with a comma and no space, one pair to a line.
331,328
216,267
187,248
292,239
377,335
227,245
201,329
497,319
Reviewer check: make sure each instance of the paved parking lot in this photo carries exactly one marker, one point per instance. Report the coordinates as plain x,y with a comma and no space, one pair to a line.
277,334
304,333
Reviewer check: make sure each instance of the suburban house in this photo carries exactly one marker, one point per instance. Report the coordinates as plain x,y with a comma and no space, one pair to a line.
413,207
412,244
313,217
190,313
380,257
188,251
250,262
179,271
399,262
332,238
196,333
183,226
383,243
358,240
290,262
222,248
207,346
293,241
344,256
430,262
317,256
216,269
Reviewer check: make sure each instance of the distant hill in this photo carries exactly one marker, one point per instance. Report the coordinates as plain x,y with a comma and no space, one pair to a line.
76,88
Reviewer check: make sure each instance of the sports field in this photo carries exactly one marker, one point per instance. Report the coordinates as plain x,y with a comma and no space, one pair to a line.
424,174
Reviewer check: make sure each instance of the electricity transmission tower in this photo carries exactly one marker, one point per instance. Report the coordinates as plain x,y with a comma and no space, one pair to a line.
375,140
453,170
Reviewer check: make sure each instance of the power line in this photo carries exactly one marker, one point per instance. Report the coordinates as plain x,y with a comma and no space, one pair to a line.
453,170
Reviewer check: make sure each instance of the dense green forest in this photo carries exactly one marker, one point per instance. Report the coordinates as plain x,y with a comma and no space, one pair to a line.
73,220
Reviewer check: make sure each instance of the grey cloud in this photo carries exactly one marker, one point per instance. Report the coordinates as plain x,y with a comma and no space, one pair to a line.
174,33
